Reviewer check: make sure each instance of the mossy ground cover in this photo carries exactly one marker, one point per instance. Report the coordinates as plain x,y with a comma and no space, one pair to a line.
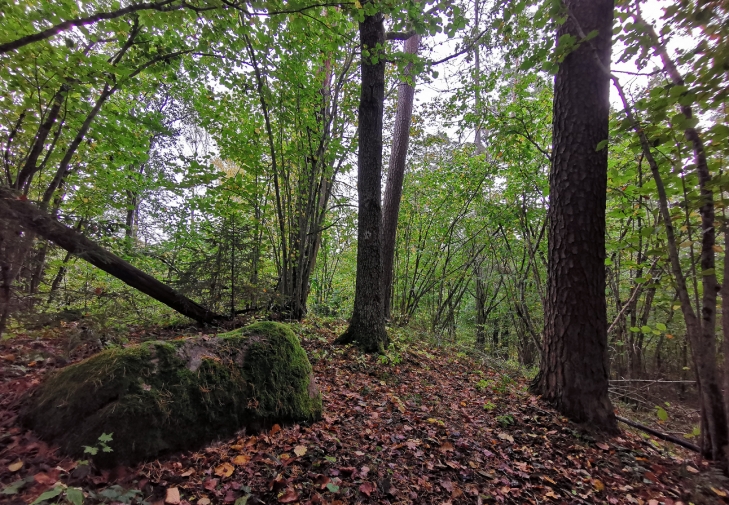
159,397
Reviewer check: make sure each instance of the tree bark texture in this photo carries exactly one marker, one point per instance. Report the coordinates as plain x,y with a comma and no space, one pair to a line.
32,219
367,326
574,369
396,172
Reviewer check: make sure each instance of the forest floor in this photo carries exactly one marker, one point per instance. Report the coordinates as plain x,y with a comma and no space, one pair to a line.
419,425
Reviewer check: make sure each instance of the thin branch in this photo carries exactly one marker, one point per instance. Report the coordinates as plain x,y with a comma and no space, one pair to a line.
164,5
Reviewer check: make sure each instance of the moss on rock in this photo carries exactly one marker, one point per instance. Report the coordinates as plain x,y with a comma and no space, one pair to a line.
159,397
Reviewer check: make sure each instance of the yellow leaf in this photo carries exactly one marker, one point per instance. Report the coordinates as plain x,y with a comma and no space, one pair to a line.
357,4
719,492
14,467
224,470
598,484
241,459
719,249
299,450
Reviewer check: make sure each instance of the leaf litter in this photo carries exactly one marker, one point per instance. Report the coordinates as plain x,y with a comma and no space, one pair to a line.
413,432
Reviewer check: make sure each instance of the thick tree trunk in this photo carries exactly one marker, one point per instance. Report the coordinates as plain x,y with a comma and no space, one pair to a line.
574,369
396,173
40,223
367,326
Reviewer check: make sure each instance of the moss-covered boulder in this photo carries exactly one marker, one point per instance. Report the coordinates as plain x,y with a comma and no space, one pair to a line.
159,397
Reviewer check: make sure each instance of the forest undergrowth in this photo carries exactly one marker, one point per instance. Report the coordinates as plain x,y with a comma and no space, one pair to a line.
415,425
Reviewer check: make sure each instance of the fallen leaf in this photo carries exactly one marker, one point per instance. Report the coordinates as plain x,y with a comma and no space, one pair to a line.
44,478
274,429
447,485
289,496
691,469
506,436
718,492
446,447
173,496
210,484
603,446
14,467
224,470
321,481
241,459
299,450
367,488
203,501
599,486
187,473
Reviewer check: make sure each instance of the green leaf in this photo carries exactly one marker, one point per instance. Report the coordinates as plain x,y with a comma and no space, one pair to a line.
333,488
243,500
661,413
14,487
635,329
51,493
660,326
645,329
75,495
601,145
105,437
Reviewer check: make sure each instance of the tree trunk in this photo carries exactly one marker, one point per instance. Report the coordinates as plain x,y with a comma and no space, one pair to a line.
574,369
396,172
37,221
367,326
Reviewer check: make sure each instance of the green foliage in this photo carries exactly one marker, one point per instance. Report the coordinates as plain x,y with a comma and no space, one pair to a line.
101,444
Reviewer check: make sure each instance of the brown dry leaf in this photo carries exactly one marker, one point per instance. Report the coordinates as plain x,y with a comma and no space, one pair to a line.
14,467
275,429
506,436
224,470
691,469
603,446
367,488
241,459
289,496
210,484
599,486
203,501
447,485
446,447
321,481
187,473
299,450
43,478
173,496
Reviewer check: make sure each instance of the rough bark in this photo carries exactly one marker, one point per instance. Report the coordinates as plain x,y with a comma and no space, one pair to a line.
574,369
396,172
40,223
367,326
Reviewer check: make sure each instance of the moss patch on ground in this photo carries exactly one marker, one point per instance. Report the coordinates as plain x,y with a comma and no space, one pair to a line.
160,397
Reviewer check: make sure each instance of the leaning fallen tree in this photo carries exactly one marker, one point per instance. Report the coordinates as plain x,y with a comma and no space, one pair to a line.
36,221
161,397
